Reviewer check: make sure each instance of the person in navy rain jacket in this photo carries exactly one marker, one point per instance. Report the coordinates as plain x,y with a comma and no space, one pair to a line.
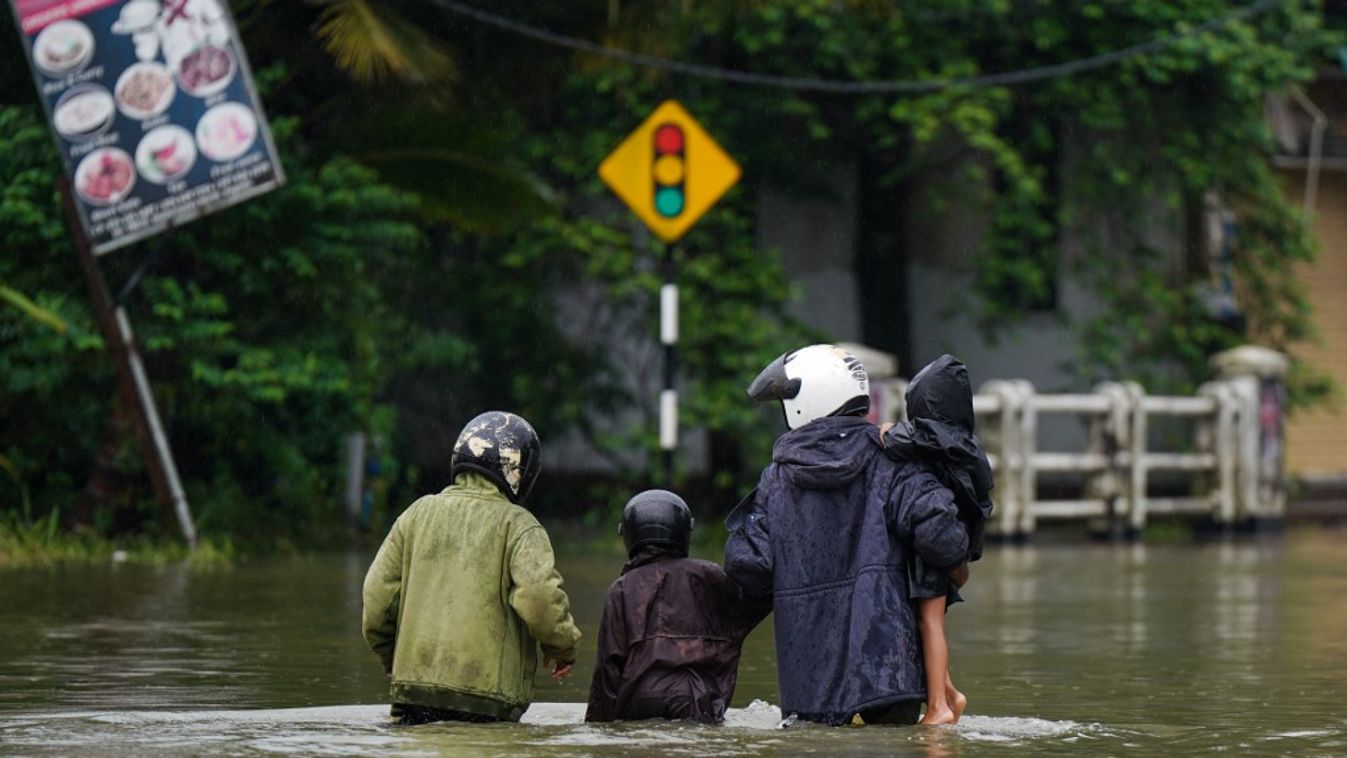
828,533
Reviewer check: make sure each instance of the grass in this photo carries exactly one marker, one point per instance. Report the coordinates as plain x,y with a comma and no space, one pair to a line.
28,543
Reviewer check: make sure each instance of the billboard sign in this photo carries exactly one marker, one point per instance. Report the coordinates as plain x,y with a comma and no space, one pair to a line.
153,109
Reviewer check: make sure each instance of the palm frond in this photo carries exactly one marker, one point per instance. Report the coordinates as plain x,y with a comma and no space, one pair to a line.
465,169
372,42
466,190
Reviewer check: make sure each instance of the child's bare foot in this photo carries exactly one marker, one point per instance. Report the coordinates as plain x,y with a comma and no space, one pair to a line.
957,703
935,716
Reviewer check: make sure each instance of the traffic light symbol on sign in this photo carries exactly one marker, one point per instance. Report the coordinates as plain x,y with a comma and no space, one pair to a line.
669,170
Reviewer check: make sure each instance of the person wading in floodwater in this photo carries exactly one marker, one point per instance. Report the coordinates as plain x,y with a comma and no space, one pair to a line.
672,627
827,533
939,434
465,587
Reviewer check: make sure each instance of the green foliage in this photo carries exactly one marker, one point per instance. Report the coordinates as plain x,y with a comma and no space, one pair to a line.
268,333
60,372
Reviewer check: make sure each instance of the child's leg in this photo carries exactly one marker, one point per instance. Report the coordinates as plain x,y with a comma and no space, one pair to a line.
935,653
956,700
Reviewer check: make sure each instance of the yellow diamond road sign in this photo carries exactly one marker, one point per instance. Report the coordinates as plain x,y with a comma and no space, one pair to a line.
669,171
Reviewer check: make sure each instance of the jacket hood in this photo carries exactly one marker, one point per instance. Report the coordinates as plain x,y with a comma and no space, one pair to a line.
941,392
940,432
827,453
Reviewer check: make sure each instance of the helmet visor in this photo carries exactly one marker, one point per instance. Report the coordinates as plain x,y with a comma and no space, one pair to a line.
773,384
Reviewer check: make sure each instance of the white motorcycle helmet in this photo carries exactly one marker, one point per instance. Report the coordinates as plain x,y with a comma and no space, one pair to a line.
814,382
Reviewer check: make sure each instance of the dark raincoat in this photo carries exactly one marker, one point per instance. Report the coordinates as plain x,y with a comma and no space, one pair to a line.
669,641
939,434
828,533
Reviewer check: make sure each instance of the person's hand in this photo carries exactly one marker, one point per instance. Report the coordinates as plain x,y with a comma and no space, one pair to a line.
883,430
559,670
959,574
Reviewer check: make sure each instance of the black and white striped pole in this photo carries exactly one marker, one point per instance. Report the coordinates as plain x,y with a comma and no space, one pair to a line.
668,397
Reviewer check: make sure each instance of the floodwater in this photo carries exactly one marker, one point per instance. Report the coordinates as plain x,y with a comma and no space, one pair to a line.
1097,649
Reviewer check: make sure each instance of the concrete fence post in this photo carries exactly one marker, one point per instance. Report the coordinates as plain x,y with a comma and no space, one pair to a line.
1028,445
1110,436
1217,435
1136,486
1257,377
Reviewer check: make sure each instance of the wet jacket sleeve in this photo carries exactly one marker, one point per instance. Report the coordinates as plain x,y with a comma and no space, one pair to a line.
537,597
611,660
924,511
381,596
748,551
744,609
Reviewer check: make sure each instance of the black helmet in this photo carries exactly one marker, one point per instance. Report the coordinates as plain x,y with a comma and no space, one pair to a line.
502,446
656,518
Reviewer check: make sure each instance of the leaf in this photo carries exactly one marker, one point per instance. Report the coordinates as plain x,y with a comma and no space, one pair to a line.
32,309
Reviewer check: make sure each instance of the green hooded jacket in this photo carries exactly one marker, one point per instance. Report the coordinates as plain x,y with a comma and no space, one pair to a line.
459,597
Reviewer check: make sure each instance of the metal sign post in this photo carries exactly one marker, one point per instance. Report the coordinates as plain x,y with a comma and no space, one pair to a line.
133,381
669,172
668,336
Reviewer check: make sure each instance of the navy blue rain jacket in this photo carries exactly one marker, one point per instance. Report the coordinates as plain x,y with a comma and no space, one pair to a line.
828,533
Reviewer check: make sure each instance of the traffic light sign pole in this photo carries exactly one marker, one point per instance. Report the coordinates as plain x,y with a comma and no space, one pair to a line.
668,335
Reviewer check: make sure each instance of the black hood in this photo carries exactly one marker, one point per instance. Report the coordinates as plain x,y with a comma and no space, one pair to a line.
827,453
941,392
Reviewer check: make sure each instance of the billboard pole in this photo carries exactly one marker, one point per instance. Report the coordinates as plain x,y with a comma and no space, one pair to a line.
132,379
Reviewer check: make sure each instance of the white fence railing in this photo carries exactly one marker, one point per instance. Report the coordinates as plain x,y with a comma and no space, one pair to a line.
1231,465
1233,460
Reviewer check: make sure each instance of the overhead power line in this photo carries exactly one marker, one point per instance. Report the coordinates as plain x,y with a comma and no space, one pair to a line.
853,87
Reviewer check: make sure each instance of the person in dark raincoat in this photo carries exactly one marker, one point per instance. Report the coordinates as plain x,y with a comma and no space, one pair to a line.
939,435
828,533
672,627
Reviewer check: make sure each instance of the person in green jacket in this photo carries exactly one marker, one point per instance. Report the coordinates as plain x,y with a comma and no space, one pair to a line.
464,589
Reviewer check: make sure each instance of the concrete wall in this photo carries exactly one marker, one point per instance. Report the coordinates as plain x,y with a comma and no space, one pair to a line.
816,237
946,226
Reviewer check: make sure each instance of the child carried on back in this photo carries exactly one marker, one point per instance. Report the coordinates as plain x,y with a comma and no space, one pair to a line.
939,433
672,627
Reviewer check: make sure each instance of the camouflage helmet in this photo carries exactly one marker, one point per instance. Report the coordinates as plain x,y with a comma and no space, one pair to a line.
504,448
